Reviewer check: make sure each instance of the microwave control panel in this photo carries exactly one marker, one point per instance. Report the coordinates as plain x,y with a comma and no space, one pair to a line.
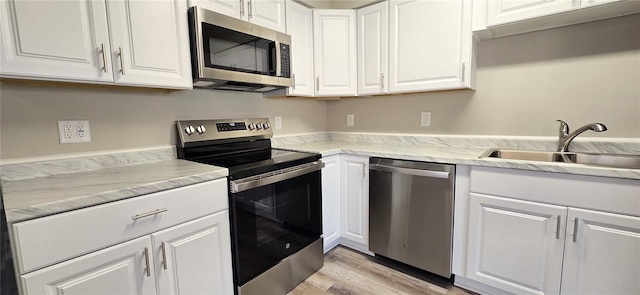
285,67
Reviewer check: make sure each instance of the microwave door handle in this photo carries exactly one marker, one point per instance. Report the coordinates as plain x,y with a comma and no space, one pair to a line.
278,59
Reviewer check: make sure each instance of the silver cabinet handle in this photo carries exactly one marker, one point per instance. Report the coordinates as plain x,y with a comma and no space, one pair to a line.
164,256
241,8
558,228
146,260
250,9
121,60
317,83
154,212
382,81
293,77
104,58
575,230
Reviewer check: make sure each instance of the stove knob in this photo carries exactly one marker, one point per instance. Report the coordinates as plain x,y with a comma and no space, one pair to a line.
189,130
201,129
258,126
252,126
265,125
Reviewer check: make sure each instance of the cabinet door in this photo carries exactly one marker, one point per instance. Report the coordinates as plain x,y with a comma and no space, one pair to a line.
121,269
267,13
372,48
507,11
602,253
355,199
195,257
150,43
233,8
433,58
334,35
331,201
515,245
300,27
55,40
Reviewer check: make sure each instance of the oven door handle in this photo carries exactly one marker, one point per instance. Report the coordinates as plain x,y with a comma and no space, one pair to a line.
239,185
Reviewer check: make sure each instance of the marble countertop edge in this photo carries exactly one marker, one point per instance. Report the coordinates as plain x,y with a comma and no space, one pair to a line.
462,156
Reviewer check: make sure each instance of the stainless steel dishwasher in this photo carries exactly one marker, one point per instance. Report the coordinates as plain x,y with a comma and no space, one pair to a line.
411,213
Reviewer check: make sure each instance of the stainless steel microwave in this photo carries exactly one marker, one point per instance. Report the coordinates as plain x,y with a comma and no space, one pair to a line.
232,54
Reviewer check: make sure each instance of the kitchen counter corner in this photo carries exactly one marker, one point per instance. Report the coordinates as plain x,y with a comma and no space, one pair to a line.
41,196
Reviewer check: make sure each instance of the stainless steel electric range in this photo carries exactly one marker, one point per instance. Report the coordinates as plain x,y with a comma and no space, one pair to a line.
275,201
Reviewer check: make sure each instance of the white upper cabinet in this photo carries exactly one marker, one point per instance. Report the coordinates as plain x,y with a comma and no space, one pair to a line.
266,13
55,40
602,253
89,43
506,11
300,27
141,55
372,26
233,8
334,35
496,18
430,45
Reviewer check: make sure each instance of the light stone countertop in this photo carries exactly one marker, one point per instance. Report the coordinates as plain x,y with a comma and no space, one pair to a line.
41,196
451,155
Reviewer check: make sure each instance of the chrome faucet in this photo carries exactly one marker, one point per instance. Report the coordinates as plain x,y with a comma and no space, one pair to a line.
565,138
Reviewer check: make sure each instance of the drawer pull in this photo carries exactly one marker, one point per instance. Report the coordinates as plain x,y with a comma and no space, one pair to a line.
146,260
164,256
152,213
558,228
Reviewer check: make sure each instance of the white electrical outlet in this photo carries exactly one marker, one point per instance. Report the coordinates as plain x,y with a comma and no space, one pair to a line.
350,120
74,131
278,123
425,119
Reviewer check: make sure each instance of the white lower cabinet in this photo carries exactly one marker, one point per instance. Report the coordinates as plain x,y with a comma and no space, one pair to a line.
120,269
331,201
194,258
602,253
170,242
191,258
516,245
354,203
531,232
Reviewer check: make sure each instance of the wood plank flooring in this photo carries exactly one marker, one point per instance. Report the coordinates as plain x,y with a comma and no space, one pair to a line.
347,272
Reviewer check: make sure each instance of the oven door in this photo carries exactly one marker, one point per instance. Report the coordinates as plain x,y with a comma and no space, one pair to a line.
273,216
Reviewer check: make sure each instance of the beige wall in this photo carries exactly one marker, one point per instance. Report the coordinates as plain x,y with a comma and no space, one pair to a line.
126,119
581,74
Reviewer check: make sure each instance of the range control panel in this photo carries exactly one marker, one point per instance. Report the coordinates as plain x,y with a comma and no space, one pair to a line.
208,130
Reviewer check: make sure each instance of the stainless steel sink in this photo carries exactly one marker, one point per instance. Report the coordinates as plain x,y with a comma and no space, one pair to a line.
595,159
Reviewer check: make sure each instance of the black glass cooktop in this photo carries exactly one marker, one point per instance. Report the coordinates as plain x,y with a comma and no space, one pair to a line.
244,159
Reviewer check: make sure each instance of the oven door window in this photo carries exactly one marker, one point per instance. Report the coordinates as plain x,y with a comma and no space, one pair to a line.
274,221
231,50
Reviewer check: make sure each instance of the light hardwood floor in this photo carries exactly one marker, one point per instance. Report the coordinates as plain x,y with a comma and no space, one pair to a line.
347,272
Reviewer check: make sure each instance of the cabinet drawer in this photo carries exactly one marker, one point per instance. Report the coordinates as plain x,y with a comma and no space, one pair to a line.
48,240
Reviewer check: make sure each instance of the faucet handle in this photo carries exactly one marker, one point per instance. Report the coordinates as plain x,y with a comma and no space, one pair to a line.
564,128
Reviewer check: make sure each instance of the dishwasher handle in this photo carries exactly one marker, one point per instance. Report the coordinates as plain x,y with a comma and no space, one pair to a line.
418,172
